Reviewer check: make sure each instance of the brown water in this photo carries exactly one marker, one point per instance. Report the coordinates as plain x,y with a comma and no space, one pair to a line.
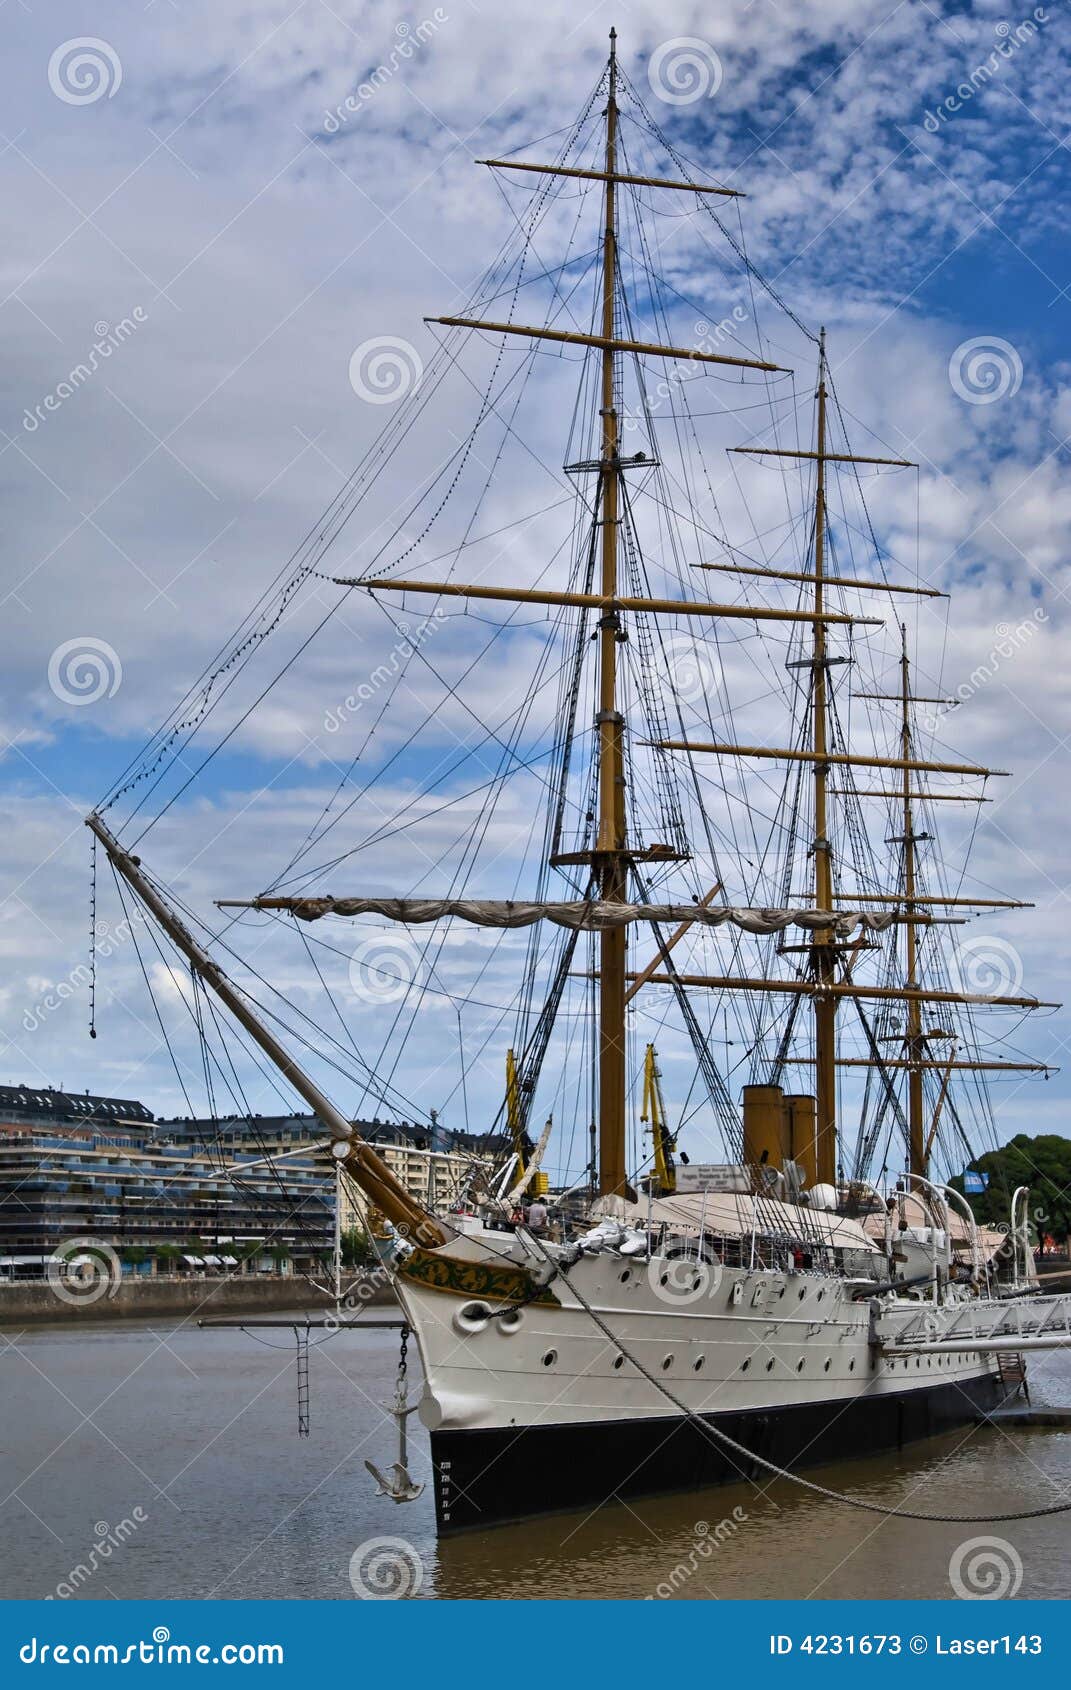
197,1431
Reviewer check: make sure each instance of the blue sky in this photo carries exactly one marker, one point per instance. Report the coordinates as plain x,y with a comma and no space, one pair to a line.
199,191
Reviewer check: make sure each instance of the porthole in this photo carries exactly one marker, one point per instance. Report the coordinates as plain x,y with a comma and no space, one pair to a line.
827,1365
821,1294
803,1292
851,1366
699,1364
667,1363
745,1364
801,1364
626,1276
664,1279
782,1291
619,1362
550,1358
769,1365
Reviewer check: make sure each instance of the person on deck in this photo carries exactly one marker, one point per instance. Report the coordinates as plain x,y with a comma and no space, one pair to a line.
537,1215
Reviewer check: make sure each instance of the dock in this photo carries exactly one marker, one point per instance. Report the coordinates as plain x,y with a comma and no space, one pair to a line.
1024,1414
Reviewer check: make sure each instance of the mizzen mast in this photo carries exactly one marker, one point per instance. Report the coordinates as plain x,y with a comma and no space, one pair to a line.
914,1042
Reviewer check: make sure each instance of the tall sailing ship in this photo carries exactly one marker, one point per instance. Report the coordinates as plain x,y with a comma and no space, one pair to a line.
725,844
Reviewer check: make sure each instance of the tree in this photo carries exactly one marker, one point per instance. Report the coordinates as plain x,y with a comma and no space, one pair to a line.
1044,1165
357,1248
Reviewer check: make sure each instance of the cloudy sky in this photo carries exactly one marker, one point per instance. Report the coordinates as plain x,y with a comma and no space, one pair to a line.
233,202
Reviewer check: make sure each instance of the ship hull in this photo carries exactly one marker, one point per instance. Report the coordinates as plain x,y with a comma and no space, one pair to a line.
598,1385
494,1475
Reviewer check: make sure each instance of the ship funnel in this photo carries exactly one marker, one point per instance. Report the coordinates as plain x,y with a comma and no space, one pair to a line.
764,1126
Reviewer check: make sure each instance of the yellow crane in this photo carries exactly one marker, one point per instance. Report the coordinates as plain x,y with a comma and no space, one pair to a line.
537,1185
654,1112
514,1115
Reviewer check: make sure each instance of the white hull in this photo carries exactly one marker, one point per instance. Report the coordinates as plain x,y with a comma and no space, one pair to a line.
747,1340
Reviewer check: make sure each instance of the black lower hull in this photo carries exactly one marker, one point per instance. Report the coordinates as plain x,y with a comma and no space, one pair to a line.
489,1477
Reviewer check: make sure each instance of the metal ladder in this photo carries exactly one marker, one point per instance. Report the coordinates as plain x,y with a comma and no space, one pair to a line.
1011,1366
302,1337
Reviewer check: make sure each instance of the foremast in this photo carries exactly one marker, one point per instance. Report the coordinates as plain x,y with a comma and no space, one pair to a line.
823,952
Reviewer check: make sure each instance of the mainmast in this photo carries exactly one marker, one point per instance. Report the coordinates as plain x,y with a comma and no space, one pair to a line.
611,859
823,952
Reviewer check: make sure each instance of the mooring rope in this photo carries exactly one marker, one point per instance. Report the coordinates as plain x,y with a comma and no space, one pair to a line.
715,1435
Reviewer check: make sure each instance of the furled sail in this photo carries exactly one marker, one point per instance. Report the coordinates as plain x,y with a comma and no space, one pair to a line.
585,915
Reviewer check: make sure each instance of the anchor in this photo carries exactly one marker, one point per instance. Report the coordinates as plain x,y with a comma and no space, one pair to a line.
400,1486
